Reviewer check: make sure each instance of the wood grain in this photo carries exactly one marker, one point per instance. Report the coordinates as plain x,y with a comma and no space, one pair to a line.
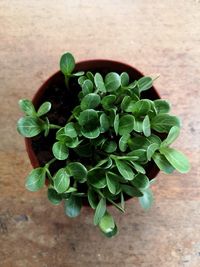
155,37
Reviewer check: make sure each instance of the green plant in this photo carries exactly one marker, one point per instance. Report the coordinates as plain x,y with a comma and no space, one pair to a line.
118,130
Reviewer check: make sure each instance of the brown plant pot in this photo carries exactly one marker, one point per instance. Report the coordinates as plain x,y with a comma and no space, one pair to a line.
98,65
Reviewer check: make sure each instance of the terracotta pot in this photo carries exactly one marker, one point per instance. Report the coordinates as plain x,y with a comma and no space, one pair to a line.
101,66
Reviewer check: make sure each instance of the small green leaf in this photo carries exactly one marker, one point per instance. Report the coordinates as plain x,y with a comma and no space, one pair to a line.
99,83
147,199
112,184
87,87
112,233
27,107
100,211
109,146
61,180
90,134
88,118
108,101
146,126
107,223
78,171
131,191
124,169
138,167
90,76
81,80
123,142
151,150
92,198
126,124
67,63
60,151
162,106
73,206
176,158
29,126
139,153
172,135
138,125
90,101
104,123
44,108
141,107
53,196
162,163
70,130
116,124
78,74
125,103
96,177
124,79
144,83
141,181
162,123
35,179
112,81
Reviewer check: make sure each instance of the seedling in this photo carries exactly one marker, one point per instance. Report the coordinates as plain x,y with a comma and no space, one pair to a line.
116,128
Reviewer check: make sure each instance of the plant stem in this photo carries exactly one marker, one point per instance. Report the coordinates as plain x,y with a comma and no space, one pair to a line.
53,126
50,162
116,205
67,81
70,118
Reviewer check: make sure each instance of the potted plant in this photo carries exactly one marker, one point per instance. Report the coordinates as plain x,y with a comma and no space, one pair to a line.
97,133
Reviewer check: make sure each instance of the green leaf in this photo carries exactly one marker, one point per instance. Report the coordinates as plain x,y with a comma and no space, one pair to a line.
144,83
112,233
90,76
92,198
96,177
162,106
84,150
126,124
81,80
35,179
71,142
123,142
172,136
90,101
88,118
87,87
100,211
151,150
162,123
138,167
141,107
131,191
99,83
140,153
143,142
125,103
29,126
146,126
27,107
124,79
61,180
116,124
70,130
104,123
90,134
138,125
44,108
109,146
108,101
60,151
176,158
73,206
147,199
67,63
78,171
162,163
141,181
112,184
124,169
53,196
107,223
78,74
112,81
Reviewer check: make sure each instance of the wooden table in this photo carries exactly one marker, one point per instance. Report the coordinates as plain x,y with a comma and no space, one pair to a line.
154,36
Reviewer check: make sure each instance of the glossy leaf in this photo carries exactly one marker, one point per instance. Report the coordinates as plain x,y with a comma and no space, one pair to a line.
126,124
67,63
112,184
87,87
151,150
35,179
138,125
146,126
104,123
107,223
162,163
88,118
131,191
109,146
141,181
141,107
116,124
144,83
27,107
100,211
112,81
97,178
92,198
77,170
29,126
99,83
70,130
124,79
124,169
108,101
61,180
162,106
162,123
123,142
53,196
172,136
90,101
44,108
138,167
90,134
73,206
60,151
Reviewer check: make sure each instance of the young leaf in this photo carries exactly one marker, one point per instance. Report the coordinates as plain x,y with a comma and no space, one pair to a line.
35,179
99,83
81,80
61,181
78,74
73,206
176,158
123,142
172,135
60,151
87,87
162,106
126,124
27,107
116,124
90,101
53,196
146,126
140,181
112,81
44,108
108,101
124,169
70,130
29,126
107,223
144,83
67,63
92,198
141,107
151,149
104,123
124,79
162,163
100,211
162,123
77,170
131,191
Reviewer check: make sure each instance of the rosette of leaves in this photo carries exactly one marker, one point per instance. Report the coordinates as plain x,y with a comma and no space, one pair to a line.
115,133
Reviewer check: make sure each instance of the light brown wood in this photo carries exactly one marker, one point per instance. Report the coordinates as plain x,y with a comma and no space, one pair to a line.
155,37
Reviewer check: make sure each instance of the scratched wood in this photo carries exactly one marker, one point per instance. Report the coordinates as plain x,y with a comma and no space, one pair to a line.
154,36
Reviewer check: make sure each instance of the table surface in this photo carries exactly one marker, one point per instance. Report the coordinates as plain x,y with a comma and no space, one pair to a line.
155,37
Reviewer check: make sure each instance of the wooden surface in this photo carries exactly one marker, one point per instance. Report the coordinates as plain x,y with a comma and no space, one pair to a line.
160,36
